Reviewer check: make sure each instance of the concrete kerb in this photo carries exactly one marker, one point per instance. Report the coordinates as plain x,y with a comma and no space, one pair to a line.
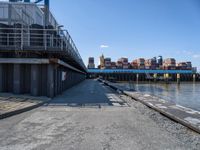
164,113
25,109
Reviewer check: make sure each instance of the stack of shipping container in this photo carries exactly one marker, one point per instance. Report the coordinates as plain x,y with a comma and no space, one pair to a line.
141,63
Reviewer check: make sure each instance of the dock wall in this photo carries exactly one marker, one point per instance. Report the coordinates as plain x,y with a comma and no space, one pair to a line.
144,77
37,77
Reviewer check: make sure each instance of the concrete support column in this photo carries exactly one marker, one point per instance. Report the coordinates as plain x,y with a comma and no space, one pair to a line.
178,77
155,77
16,79
194,77
166,77
50,80
137,77
35,80
1,78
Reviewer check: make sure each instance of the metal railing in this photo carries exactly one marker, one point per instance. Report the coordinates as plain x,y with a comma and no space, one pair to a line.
40,39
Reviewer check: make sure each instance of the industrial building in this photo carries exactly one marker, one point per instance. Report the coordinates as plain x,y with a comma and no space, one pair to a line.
37,56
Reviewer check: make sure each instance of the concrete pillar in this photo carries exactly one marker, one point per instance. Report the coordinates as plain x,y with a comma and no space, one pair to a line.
178,77
155,77
137,77
50,80
1,78
166,77
194,77
35,80
16,79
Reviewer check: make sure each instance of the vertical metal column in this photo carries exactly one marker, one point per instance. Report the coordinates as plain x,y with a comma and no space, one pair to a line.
35,80
50,80
16,79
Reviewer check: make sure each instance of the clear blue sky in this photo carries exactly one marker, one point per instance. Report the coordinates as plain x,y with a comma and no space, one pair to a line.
132,28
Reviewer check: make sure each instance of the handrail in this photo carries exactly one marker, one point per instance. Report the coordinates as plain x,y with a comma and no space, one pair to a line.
47,38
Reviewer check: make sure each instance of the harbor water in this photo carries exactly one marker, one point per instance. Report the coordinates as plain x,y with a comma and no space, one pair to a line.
184,94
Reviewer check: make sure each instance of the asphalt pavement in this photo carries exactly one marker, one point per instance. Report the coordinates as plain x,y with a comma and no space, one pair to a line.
91,116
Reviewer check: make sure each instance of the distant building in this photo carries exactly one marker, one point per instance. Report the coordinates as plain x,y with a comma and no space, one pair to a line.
91,64
102,62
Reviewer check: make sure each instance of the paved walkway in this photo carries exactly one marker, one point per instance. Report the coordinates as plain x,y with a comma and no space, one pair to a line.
14,104
70,123
88,93
183,115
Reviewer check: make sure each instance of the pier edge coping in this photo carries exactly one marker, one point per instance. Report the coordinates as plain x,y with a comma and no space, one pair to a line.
38,61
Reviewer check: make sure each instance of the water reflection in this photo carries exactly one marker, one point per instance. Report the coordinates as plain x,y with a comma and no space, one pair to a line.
185,94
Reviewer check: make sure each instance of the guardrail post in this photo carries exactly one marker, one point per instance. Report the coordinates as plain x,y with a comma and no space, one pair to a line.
22,38
45,40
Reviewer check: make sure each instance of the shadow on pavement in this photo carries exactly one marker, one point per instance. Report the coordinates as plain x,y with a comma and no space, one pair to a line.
87,93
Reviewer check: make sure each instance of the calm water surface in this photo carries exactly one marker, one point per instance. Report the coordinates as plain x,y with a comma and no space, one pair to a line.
185,94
